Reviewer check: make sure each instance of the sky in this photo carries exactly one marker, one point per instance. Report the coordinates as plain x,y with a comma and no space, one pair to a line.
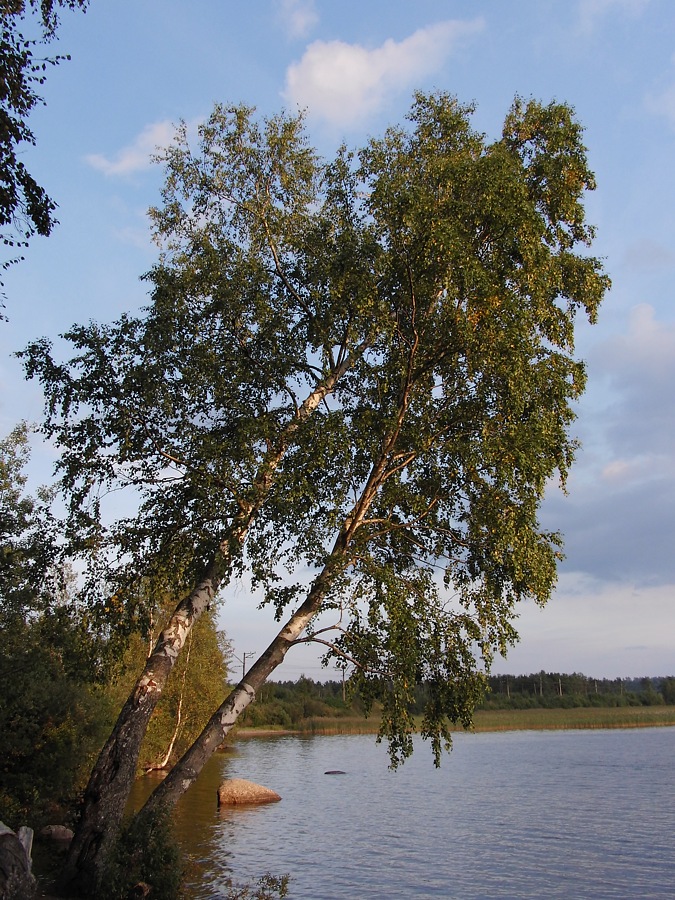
139,66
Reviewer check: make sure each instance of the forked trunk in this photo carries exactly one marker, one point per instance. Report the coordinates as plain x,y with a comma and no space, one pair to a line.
107,792
187,769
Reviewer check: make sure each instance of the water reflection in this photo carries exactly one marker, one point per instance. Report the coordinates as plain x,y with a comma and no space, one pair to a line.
520,815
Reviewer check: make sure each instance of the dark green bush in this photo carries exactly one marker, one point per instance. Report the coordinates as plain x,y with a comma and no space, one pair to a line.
268,887
51,725
145,852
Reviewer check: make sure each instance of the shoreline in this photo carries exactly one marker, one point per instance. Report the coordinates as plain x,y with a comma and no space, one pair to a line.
538,719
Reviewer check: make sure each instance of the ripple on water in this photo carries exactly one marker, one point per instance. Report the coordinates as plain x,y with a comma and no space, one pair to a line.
583,814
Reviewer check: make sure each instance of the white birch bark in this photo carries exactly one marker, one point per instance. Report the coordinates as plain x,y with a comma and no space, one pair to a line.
110,782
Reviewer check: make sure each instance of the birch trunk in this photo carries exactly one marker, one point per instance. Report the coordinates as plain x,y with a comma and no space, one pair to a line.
187,769
179,717
107,791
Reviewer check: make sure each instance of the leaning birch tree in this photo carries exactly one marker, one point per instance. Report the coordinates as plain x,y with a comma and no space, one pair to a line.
263,298
365,368
457,421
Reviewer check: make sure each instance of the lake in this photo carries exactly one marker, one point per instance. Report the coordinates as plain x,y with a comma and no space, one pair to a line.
573,814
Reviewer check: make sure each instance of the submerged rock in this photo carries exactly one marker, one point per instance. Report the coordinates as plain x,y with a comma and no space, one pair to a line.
57,833
238,791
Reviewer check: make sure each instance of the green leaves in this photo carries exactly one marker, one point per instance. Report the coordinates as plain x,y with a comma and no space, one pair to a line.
25,207
364,367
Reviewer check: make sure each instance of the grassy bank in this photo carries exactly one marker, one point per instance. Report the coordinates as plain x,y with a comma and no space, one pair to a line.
578,717
502,720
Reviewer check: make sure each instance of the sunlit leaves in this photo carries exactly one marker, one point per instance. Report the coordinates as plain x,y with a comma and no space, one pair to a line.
433,280
25,207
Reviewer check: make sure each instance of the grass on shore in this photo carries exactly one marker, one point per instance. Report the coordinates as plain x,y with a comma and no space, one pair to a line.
502,720
577,717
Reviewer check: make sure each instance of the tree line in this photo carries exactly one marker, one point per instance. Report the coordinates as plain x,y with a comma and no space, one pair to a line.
554,689
290,704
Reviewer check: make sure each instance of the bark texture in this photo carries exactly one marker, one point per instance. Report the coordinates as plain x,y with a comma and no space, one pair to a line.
386,463
107,792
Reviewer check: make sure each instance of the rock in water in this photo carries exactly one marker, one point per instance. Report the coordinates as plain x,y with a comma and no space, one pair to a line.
57,833
238,791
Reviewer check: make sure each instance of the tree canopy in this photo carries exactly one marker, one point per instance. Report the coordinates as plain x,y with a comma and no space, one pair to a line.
25,207
360,368
51,720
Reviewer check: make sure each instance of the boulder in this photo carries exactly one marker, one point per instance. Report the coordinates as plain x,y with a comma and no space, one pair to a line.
57,833
238,792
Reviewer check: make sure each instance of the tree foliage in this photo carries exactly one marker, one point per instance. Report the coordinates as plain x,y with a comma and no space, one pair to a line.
194,404
197,685
446,268
363,369
27,546
25,207
52,716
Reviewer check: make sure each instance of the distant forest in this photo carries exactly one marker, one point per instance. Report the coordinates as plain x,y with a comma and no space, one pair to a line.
287,704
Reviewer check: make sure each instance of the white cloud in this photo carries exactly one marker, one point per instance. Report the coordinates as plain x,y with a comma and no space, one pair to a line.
619,470
138,155
606,630
592,12
298,16
344,83
644,357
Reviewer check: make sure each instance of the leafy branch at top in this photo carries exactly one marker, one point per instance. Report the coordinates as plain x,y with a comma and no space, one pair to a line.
25,207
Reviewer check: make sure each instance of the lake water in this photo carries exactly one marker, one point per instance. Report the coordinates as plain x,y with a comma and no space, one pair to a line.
569,814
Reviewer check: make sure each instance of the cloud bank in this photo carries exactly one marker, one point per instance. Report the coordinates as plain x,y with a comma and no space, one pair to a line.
619,517
344,83
137,156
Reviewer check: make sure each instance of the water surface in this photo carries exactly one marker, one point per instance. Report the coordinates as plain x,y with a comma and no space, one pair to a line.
573,814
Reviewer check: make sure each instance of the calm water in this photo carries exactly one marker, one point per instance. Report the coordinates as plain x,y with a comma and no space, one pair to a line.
575,814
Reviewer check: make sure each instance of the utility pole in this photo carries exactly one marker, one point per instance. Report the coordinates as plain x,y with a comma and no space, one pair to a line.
242,660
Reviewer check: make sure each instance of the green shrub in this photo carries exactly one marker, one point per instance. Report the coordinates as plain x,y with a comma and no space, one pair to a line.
145,852
267,888
51,726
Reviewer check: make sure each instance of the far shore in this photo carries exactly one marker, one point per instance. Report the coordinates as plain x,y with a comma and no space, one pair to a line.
495,720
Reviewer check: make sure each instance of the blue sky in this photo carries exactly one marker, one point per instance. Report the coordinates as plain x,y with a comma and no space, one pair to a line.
138,66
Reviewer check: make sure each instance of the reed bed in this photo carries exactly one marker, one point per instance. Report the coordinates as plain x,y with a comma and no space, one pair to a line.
577,717
341,725
502,720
